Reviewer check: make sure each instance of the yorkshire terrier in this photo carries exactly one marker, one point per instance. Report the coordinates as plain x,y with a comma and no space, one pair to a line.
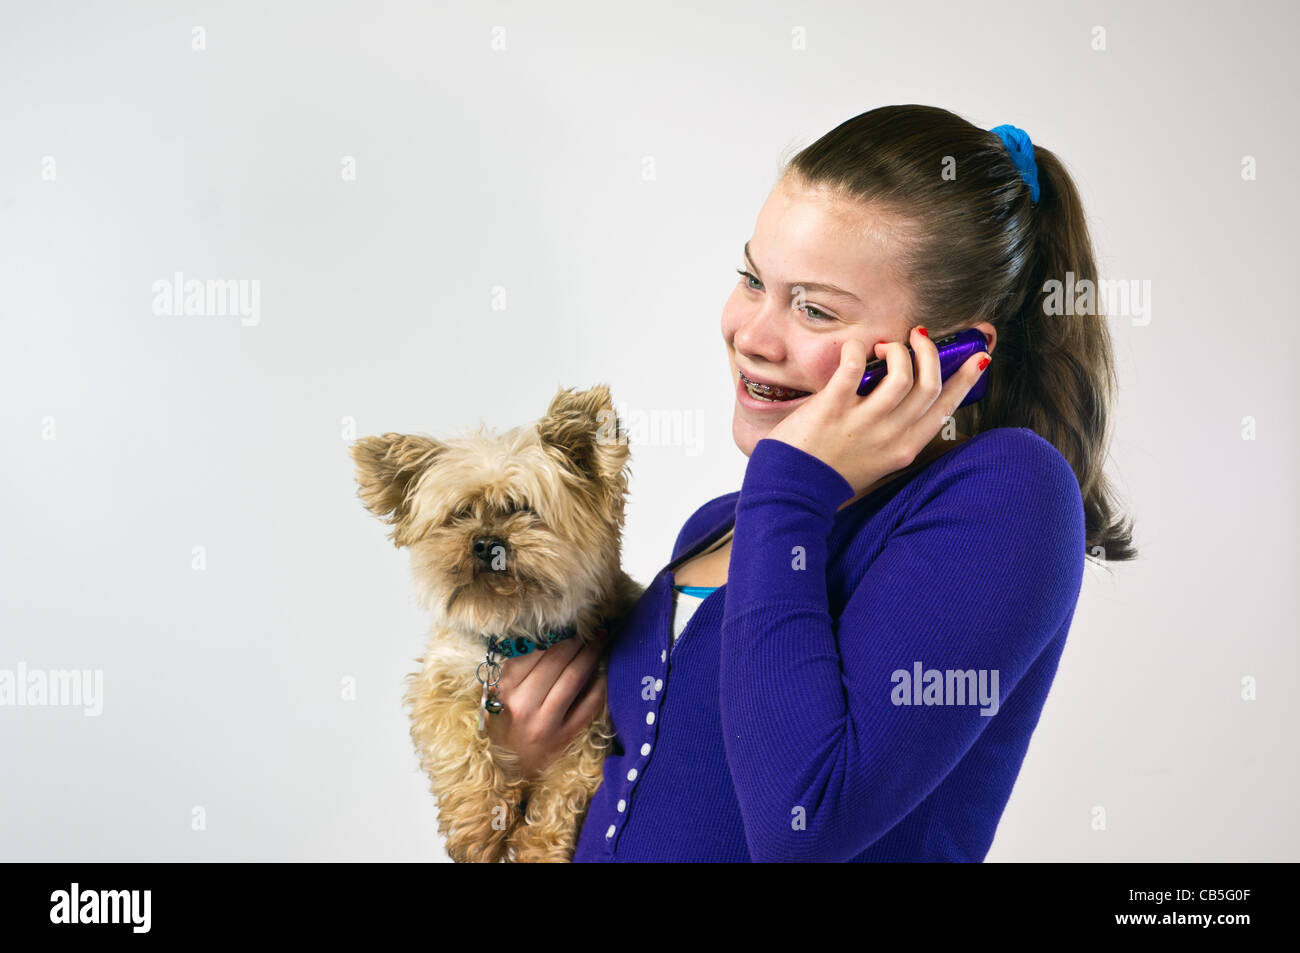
515,544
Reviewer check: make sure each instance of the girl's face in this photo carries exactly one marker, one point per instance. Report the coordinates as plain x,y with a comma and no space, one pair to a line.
835,262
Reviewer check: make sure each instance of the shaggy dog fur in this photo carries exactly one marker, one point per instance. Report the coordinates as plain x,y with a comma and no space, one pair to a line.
516,534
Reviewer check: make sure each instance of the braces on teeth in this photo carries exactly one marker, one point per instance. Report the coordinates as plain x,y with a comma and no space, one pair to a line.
768,392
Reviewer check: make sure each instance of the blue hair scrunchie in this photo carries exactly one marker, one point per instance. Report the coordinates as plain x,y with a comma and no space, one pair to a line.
1022,154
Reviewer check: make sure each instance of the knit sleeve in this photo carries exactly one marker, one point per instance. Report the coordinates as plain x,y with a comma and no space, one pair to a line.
829,742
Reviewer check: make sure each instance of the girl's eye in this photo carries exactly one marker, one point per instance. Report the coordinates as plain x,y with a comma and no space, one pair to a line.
816,314
744,274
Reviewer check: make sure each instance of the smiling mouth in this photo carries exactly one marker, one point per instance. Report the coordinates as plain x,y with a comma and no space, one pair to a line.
769,392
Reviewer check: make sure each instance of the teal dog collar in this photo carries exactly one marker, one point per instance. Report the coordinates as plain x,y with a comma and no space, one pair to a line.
511,646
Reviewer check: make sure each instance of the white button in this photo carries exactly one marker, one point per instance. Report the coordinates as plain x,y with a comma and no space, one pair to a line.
659,684
645,748
609,833
649,718
663,656
622,805
631,775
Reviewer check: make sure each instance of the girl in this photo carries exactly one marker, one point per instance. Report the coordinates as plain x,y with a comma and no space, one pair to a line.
846,659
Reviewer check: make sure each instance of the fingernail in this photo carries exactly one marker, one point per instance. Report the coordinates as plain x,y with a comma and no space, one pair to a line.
984,362
923,331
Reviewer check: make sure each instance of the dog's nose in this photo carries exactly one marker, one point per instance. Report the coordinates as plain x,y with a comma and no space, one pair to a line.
487,549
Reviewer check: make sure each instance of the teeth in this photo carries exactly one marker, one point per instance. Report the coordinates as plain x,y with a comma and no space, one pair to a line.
770,393
749,388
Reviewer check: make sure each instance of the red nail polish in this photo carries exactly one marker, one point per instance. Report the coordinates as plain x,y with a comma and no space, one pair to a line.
984,362
923,331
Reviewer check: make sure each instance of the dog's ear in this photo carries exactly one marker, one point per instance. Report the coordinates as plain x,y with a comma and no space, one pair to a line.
583,428
386,468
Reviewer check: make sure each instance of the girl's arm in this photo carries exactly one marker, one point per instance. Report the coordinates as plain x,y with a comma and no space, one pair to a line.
981,571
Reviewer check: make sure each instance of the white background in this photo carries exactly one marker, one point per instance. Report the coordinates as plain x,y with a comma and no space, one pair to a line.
522,169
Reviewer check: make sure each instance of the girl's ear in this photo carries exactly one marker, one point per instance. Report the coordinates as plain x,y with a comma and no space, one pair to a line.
990,332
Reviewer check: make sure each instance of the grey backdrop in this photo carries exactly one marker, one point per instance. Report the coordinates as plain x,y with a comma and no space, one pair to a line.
544,195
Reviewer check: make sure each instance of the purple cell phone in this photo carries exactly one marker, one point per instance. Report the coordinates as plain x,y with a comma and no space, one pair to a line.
953,353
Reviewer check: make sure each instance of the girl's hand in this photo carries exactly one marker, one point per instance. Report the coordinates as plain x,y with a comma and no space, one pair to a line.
867,438
549,697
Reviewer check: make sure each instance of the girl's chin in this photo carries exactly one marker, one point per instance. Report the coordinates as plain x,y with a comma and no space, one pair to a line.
747,433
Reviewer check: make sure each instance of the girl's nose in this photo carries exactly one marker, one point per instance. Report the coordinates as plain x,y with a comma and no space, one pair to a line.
761,333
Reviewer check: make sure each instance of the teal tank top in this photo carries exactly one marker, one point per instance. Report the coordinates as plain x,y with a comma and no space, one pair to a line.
700,591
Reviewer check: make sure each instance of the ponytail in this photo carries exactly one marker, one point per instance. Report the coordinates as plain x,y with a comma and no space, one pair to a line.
1060,380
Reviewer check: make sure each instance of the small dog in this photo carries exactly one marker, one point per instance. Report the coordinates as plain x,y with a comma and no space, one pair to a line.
512,537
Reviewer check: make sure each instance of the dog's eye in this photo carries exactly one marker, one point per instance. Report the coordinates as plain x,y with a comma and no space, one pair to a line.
462,513
515,506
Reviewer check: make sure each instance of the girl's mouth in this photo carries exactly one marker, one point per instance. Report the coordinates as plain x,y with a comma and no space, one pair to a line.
765,395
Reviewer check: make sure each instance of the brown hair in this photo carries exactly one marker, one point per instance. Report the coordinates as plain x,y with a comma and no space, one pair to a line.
974,248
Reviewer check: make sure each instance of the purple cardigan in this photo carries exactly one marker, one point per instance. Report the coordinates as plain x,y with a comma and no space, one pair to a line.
865,685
